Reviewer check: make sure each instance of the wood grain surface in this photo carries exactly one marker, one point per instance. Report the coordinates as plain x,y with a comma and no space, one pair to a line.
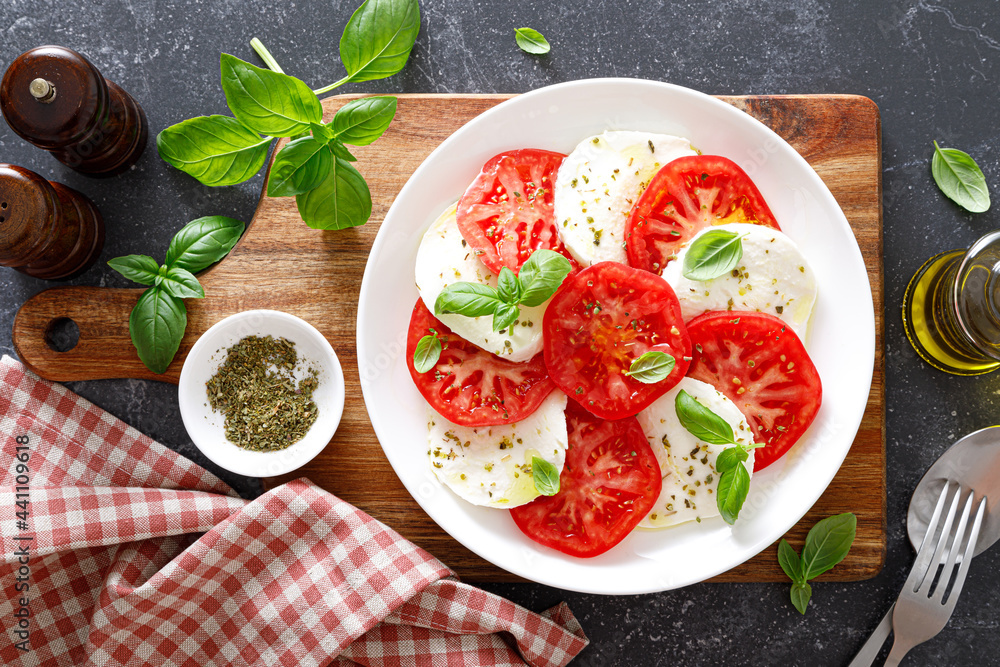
282,264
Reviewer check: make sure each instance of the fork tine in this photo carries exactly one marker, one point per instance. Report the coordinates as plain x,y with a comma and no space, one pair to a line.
970,550
929,575
949,565
927,546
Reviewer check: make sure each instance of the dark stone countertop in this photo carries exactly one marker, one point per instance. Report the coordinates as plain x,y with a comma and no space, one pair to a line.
932,69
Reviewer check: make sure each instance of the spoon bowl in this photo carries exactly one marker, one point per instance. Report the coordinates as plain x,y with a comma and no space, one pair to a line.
974,461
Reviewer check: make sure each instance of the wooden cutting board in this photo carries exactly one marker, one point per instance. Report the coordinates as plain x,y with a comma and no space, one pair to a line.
281,264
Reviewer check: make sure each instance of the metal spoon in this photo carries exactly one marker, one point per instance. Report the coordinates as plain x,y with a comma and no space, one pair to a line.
975,462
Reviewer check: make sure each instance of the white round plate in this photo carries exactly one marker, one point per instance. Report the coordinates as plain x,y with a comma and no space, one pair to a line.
207,427
841,340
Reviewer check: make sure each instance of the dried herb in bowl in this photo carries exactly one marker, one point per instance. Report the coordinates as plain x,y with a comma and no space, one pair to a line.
265,408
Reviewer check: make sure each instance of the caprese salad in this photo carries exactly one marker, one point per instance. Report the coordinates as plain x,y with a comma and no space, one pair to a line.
610,340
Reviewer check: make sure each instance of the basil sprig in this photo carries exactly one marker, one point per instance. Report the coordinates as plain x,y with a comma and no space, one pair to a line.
537,281
157,322
960,179
315,167
531,41
713,254
734,479
545,476
827,543
651,367
427,352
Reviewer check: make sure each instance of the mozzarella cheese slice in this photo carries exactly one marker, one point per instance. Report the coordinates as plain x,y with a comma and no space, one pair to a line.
444,258
599,183
491,465
690,480
772,277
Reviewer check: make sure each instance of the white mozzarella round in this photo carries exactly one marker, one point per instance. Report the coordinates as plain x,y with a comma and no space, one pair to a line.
600,181
491,465
690,479
772,277
444,258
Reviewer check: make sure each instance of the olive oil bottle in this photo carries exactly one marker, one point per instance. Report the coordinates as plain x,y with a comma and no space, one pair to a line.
951,309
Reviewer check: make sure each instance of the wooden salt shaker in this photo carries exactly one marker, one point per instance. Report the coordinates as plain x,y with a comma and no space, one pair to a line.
55,99
47,230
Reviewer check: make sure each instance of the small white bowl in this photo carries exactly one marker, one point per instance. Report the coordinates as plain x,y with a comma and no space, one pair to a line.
206,427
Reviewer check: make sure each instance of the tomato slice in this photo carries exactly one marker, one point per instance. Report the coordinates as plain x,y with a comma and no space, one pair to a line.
468,385
601,320
687,195
507,213
759,363
611,480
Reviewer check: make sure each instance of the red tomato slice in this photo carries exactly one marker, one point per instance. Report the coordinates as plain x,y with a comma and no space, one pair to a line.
684,197
470,386
611,480
761,366
601,320
507,212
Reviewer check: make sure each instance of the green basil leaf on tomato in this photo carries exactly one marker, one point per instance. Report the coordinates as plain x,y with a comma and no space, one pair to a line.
598,322
651,367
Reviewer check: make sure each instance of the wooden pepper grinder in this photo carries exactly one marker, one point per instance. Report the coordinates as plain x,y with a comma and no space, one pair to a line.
47,230
55,99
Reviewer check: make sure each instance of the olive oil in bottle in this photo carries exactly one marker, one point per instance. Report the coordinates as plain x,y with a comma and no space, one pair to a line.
951,309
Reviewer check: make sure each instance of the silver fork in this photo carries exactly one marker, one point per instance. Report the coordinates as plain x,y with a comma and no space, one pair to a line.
926,602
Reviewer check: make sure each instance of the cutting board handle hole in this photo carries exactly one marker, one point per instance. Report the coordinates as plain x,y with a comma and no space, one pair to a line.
62,334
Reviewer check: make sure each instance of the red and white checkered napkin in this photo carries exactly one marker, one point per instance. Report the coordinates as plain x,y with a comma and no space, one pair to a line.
129,554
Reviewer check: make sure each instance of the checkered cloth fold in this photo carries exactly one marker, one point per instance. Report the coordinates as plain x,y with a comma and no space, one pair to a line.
118,551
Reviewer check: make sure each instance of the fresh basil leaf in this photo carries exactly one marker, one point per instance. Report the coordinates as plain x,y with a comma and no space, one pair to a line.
508,286
545,476
299,167
730,458
340,150
828,543
268,102
789,561
141,269
469,299
531,41
505,315
217,150
181,283
960,179
651,367
342,200
801,594
203,242
157,324
360,122
427,353
541,276
378,38
732,492
701,422
713,254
